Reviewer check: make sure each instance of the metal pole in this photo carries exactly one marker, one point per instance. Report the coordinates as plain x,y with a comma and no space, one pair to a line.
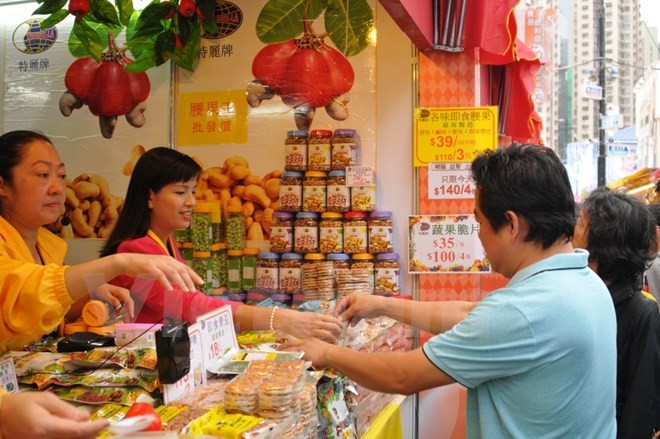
602,147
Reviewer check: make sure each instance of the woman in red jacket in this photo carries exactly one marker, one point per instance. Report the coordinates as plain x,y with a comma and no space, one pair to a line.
160,199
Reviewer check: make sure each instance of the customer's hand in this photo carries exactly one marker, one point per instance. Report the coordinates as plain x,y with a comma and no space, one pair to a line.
314,350
355,307
42,415
308,324
164,269
118,297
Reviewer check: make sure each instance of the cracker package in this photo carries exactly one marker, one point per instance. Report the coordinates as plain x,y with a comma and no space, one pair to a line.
336,420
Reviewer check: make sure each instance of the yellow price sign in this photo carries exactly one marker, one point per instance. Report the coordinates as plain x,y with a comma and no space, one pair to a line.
454,134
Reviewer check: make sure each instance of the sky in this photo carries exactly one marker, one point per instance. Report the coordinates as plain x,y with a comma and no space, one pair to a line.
651,12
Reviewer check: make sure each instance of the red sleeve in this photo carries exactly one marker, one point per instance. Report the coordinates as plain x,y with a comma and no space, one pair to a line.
153,302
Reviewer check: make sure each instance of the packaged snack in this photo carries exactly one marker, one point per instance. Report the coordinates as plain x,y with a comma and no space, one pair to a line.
36,368
113,357
336,420
104,395
148,380
217,422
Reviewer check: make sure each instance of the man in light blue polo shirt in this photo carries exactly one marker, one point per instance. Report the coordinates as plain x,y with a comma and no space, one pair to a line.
538,356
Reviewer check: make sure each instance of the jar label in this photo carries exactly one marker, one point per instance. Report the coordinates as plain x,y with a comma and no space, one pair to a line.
387,281
344,154
380,239
355,239
363,198
291,196
306,239
295,156
281,238
331,239
338,197
318,156
289,280
314,198
267,279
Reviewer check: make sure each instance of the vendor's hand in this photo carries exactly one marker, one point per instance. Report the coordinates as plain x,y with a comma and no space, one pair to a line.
42,415
118,297
164,269
355,307
308,324
315,350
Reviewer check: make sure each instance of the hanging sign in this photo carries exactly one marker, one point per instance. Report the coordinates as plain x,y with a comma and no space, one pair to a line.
453,134
445,244
450,181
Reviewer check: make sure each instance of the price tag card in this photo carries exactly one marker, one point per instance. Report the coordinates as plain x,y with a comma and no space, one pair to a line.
196,376
450,181
445,244
218,334
360,176
453,134
8,376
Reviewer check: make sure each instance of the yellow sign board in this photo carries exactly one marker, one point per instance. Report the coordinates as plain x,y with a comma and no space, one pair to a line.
454,134
212,117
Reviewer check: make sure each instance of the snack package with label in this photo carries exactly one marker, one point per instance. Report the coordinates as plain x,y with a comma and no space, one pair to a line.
104,395
217,422
146,379
336,419
114,357
36,368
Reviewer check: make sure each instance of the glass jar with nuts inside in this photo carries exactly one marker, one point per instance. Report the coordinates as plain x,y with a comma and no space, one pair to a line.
306,233
387,274
235,228
290,272
268,277
331,233
295,150
291,186
363,268
338,194
319,150
314,191
281,232
380,232
344,148
355,232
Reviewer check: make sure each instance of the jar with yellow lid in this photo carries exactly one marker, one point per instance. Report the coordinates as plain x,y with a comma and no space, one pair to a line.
318,277
203,266
97,313
234,271
314,191
235,228
217,226
331,232
319,150
363,270
249,265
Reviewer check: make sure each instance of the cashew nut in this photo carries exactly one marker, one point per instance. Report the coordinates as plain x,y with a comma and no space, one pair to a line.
136,153
135,117
107,124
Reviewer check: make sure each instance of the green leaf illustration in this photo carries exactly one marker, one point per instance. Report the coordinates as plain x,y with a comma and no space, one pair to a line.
349,23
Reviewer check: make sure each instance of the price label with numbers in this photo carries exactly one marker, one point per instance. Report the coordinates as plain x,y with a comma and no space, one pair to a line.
453,134
450,181
218,334
445,244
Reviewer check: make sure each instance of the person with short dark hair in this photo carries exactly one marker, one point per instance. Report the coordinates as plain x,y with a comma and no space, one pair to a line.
538,356
618,231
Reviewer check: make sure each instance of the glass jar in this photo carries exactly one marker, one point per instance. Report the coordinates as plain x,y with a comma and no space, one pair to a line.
268,277
281,232
202,231
363,198
362,270
290,272
344,148
249,267
183,235
291,190
217,228
202,265
314,191
306,233
219,266
343,280
331,233
380,232
319,150
295,150
387,274
235,228
355,232
234,271
337,193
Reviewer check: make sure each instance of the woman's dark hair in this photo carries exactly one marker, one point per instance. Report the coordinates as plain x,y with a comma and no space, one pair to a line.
157,168
620,234
531,181
12,150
